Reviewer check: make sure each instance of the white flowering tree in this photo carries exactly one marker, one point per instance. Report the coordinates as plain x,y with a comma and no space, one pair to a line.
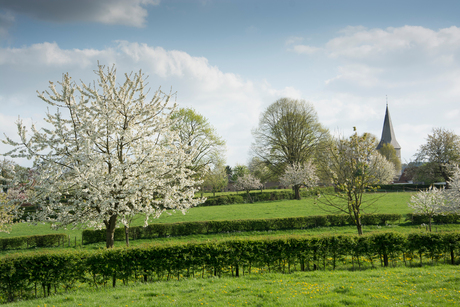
112,155
297,175
248,182
428,202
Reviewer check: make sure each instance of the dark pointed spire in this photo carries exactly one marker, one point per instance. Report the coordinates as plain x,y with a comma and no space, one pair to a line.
388,134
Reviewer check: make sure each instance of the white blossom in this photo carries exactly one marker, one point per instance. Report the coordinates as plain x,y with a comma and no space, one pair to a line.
300,174
113,155
453,192
430,202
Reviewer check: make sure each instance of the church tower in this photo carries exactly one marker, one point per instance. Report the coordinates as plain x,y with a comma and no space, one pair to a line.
388,135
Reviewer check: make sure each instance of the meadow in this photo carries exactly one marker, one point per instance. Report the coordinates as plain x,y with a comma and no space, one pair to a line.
426,286
395,202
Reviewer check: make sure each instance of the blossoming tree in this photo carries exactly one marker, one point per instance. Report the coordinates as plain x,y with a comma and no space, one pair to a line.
299,174
453,192
429,202
248,182
111,156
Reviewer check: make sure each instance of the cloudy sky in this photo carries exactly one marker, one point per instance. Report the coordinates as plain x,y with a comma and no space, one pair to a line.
231,59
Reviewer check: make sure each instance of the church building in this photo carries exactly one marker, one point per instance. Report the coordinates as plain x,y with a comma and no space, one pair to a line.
388,134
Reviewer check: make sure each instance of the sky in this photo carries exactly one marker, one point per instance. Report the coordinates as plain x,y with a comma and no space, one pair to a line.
229,60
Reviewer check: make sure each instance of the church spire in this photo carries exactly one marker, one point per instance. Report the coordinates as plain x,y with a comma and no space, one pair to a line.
388,134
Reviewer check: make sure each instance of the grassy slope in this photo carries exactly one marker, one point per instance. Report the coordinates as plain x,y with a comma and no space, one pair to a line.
427,286
388,203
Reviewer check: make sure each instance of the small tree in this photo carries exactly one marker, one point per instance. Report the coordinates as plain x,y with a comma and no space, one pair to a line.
297,175
389,152
353,166
429,202
6,213
216,179
113,155
247,182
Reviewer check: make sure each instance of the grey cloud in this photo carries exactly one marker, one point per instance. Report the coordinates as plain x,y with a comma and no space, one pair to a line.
6,21
124,12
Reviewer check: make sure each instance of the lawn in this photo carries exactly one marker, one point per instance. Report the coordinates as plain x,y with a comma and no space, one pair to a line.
427,286
386,203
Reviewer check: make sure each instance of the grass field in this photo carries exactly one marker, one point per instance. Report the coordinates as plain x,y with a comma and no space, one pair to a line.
387,203
427,286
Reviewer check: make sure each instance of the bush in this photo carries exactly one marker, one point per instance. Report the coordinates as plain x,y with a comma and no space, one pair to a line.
33,241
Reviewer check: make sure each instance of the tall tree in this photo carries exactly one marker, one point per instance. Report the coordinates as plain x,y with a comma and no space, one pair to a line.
288,133
113,155
353,165
389,152
195,130
441,149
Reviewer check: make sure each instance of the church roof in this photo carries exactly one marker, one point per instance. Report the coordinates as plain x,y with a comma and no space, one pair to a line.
388,134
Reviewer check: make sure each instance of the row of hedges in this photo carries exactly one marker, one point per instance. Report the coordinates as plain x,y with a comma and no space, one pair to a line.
401,187
21,276
262,196
418,219
33,241
206,227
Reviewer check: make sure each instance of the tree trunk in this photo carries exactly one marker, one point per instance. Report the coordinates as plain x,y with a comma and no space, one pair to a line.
297,192
127,236
110,231
429,222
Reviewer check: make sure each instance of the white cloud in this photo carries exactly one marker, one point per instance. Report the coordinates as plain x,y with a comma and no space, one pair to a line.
293,39
123,12
231,103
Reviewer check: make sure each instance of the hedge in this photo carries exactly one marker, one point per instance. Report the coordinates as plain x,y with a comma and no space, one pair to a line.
417,218
33,241
206,227
40,274
401,187
262,196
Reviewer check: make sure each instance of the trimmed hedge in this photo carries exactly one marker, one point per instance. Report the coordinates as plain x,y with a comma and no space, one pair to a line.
401,187
31,275
417,218
262,196
206,227
33,241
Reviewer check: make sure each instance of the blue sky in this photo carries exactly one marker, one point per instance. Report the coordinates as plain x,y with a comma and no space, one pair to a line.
231,59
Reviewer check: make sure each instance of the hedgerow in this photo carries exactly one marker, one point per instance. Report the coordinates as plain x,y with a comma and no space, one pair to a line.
33,241
206,227
41,274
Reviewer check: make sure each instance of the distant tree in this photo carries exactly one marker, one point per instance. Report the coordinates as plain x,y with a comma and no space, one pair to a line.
353,165
216,179
441,149
453,192
288,133
7,214
258,169
112,155
195,130
247,182
239,171
228,170
297,175
389,152
429,202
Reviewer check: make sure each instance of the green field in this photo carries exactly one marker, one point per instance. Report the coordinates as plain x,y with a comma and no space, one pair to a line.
386,203
427,286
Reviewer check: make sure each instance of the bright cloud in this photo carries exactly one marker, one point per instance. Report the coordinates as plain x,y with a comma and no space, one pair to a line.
231,103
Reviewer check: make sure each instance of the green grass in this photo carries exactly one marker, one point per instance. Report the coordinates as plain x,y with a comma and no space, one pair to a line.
427,286
387,203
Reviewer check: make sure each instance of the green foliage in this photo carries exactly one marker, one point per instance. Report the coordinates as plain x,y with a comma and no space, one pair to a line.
262,196
207,227
33,241
50,271
389,152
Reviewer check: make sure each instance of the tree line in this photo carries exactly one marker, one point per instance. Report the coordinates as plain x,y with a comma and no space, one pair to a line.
115,153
